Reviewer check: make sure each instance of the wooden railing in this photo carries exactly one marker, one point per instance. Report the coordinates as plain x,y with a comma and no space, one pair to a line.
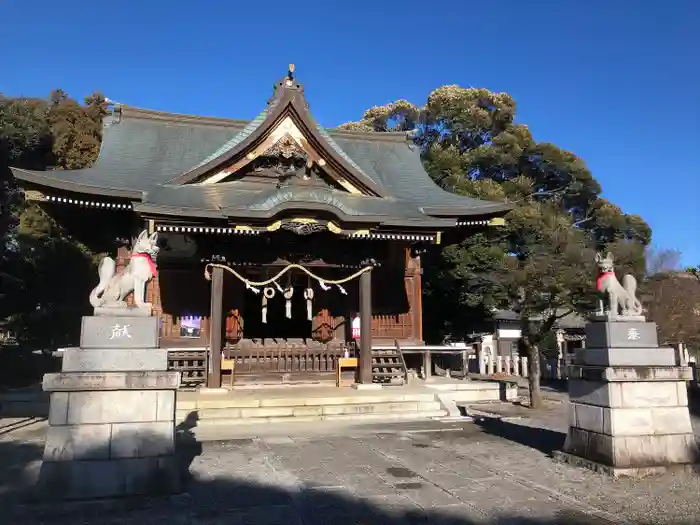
284,357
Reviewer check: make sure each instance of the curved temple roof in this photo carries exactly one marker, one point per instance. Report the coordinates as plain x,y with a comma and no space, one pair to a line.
153,158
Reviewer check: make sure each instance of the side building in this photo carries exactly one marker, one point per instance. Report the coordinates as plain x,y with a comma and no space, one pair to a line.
252,198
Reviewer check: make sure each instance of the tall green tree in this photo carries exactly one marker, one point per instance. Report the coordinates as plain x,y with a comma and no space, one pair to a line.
694,271
541,264
76,128
25,142
39,259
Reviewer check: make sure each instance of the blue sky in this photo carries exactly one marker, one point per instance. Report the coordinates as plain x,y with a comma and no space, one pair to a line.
616,82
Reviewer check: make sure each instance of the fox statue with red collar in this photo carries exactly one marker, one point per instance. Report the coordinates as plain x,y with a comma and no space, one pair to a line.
620,297
114,287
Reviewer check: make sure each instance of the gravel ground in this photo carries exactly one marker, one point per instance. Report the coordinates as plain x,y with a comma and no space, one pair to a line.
494,470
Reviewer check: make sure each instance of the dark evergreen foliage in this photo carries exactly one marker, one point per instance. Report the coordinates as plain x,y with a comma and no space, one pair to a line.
541,263
43,268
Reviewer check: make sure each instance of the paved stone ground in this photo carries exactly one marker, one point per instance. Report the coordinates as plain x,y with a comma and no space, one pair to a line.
494,470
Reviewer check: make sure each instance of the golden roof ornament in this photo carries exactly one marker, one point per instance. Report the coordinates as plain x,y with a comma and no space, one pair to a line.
287,82
290,75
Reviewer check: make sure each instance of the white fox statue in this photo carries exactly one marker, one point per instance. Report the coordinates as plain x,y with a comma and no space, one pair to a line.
113,288
621,298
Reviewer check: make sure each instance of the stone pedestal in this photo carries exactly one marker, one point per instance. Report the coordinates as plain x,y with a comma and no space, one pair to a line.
112,414
629,404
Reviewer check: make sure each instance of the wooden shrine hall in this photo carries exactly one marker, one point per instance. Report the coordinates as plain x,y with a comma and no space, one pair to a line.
284,246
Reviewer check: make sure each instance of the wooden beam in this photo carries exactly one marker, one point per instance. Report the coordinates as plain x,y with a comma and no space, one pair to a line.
216,328
366,328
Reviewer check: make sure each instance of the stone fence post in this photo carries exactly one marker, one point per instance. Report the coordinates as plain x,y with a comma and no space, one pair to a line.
490,365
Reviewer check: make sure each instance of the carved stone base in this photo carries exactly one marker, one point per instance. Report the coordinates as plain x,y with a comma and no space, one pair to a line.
629,421
114,360
631,373
110,443
626,356
123,311
106,381
111,424
119,332
648,451
105,478
609,317
629,403
620,472
622,334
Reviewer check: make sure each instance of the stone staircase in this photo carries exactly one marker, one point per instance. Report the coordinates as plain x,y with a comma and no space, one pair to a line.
220,410
304,404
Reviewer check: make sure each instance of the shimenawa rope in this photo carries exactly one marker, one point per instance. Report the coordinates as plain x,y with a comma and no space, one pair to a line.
248,282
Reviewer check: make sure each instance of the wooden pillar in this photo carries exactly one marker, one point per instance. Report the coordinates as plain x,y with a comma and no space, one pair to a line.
427,365
366,328
216,327
417,303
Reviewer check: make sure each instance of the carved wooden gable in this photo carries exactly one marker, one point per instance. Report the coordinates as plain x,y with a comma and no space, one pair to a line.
285,158
285,146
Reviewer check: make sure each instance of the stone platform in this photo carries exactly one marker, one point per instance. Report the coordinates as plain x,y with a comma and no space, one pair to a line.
216,415
628,417
112,414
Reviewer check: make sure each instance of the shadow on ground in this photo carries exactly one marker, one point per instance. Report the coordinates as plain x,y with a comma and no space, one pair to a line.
19,465
230,501
694,400
556,385
19,423
542,439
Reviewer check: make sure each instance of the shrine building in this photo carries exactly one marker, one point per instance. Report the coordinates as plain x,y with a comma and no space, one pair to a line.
236,202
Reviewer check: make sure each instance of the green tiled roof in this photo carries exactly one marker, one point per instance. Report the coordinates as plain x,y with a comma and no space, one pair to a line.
235,141
333,144
144,150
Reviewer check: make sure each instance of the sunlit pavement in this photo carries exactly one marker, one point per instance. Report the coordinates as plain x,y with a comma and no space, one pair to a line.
496,469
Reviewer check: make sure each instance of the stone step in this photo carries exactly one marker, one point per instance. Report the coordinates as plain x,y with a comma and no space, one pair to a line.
216,429
477,391
251,401
315,411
